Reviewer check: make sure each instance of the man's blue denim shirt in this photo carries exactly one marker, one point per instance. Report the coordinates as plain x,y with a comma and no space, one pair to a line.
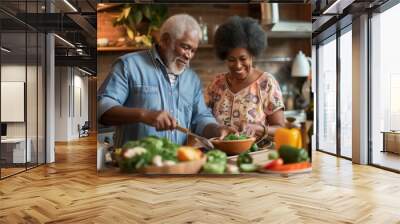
140,80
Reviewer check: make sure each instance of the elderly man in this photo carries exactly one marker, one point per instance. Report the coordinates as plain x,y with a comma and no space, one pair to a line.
149,92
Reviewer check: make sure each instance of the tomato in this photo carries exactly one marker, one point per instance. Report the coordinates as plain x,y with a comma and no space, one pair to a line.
274,163
292,166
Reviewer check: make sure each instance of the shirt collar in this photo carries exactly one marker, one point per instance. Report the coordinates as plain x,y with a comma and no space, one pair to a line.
156,56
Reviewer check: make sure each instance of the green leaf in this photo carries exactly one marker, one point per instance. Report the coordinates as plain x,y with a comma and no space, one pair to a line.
162,12
151,28
147,12
130,33
214,168
140,163
130,144
116,23
119,19
147,41
137,17
125,12
131,23
216,156
248,167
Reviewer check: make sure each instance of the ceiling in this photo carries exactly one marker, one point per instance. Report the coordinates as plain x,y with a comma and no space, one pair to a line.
16,43
202,1
328,17
77,27
39,6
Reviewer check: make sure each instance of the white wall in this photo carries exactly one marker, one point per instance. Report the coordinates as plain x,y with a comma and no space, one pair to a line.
12,73
71,93
34,125
80,100
61,103
9,73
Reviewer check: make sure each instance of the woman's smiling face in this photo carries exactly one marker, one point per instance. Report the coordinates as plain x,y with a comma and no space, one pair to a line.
239,62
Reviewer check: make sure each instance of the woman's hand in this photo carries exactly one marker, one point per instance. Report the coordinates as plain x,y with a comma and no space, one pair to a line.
223,131
250,129
215,130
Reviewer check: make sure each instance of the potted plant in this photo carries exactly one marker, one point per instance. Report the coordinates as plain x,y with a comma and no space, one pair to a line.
142,22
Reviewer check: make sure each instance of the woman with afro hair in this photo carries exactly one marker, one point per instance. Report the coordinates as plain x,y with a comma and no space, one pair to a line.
244,97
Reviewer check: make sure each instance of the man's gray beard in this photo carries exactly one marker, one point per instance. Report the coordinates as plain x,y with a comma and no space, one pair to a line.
171,63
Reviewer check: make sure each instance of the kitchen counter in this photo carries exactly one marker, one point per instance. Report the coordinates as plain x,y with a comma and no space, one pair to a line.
259,158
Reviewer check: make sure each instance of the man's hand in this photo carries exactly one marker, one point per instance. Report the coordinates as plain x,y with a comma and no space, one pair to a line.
161,120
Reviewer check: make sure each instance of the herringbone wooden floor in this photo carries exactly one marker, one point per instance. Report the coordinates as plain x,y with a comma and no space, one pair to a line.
70,191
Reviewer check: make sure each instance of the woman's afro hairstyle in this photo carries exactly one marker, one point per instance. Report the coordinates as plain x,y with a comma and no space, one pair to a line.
239,32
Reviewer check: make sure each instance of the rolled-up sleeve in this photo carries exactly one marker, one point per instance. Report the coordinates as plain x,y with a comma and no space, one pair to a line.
202,115
115,89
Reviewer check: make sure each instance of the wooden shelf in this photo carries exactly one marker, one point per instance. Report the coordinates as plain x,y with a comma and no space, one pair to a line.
206,46
111,49
103,7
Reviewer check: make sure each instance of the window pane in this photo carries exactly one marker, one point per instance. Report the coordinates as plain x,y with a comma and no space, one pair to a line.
14,150
346,94
386,88
31,96
327,97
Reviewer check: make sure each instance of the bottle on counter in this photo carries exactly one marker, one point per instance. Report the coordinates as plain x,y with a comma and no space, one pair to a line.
290,101
204,32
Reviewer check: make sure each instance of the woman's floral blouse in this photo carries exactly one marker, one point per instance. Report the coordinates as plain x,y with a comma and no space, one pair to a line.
252,104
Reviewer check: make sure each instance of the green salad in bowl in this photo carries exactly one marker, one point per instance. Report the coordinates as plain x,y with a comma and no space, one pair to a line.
234,144
233,137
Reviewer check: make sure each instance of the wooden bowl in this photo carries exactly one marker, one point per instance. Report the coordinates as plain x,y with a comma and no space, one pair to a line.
233,147
190,167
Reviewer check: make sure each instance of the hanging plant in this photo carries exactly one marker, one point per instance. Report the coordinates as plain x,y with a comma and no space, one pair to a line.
141,21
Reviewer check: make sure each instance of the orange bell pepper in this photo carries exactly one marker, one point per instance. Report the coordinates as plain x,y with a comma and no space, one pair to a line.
288,136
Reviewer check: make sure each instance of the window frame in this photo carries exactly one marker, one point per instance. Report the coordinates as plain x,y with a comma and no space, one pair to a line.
347,27
378,10
44,41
